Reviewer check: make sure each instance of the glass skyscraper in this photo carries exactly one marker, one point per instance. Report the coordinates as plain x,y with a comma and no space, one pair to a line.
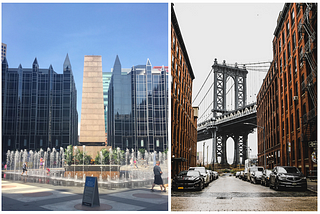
106,78
138,107
39,108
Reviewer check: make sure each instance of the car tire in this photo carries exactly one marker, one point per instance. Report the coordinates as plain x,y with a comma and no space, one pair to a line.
276,186
200,186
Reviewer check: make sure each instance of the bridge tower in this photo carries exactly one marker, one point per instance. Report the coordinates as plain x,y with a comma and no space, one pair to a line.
239,75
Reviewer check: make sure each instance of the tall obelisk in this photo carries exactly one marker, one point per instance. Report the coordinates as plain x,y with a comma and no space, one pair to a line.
92,129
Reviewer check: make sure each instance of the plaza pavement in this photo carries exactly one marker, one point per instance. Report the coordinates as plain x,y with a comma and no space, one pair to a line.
21,195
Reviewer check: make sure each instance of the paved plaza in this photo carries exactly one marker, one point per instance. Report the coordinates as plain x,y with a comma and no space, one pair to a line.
21,195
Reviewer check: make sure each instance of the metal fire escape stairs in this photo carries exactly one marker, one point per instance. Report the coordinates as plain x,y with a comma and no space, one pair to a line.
309,120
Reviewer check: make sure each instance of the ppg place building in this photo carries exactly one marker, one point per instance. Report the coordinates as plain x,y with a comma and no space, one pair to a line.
138,107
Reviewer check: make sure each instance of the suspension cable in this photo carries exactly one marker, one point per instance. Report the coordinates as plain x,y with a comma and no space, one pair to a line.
202,86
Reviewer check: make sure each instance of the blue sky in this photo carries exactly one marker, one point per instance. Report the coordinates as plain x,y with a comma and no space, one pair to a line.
50,31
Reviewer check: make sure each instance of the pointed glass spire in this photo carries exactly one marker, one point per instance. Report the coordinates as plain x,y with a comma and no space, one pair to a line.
148,66
67,63
35,62
117,65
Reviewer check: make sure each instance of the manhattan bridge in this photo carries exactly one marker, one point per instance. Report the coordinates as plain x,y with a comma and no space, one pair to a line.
227,108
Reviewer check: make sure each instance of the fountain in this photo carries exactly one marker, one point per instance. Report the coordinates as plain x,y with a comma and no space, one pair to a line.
113,168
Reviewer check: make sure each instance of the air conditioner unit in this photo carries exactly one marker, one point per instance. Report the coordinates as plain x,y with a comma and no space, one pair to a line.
295,98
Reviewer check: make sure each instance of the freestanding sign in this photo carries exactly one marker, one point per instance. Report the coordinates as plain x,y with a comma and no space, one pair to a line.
91,193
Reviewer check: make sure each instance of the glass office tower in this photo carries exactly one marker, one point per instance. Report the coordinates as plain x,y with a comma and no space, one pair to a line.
138,108
39,108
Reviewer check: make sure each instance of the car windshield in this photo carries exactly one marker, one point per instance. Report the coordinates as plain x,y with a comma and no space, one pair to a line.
182,173
288,170
193,173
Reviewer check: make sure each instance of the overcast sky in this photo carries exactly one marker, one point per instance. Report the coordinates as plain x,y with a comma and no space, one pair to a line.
235,32
49,32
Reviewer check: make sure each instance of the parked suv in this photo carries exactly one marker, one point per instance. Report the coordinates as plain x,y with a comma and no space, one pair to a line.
287,177
204,174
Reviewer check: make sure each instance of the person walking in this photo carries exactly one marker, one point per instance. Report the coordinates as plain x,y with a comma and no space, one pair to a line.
157,177
24,168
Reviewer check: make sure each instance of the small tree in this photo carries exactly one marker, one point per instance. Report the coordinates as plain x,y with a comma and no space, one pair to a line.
69,155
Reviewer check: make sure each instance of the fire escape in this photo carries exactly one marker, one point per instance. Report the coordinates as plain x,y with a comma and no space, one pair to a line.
308,55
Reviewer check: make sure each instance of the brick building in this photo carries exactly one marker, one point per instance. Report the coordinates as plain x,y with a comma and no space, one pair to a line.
183,115
287,100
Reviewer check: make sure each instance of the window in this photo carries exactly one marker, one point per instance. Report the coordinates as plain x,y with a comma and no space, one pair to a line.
9,142
292,17
294,40
288,29
142,143
295,64
41,142
297,119
289,49
25,142
57,142
157,143
127,143
279,45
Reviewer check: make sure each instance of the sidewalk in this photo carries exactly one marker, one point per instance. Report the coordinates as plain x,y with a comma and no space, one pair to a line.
24,196
312,185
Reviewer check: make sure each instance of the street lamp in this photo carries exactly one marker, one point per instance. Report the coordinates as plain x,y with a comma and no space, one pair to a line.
264,142
203,153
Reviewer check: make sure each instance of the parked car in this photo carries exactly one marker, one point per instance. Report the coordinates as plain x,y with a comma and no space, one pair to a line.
254,177
287,177
265,179
191,180
241,175
216,174
203,172
237,174
212,176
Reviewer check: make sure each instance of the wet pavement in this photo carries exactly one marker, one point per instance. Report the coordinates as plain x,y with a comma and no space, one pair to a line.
23,194
232,194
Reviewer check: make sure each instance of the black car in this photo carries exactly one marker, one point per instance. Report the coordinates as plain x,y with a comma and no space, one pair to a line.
287,177
191,180
265,179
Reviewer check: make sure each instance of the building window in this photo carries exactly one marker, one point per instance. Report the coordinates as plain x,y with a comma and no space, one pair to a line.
57,142
157,143
294,40
288,29
299,148
279,45
25,142
142,143
9,142
292,17
283,38
297,119
127,143
295,64
289,49
41,142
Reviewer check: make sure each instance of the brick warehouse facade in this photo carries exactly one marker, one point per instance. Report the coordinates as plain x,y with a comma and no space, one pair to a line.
183,116
287,100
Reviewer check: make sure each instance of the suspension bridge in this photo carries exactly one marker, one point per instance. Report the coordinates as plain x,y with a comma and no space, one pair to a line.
228,104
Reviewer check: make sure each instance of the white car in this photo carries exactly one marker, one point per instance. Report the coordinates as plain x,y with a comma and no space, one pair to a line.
204,174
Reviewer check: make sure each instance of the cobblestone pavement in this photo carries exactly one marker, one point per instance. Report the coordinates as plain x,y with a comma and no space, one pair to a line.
24,196
232,194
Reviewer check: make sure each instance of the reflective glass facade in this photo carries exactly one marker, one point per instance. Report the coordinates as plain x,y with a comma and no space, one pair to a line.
39,108
138,108
106,76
